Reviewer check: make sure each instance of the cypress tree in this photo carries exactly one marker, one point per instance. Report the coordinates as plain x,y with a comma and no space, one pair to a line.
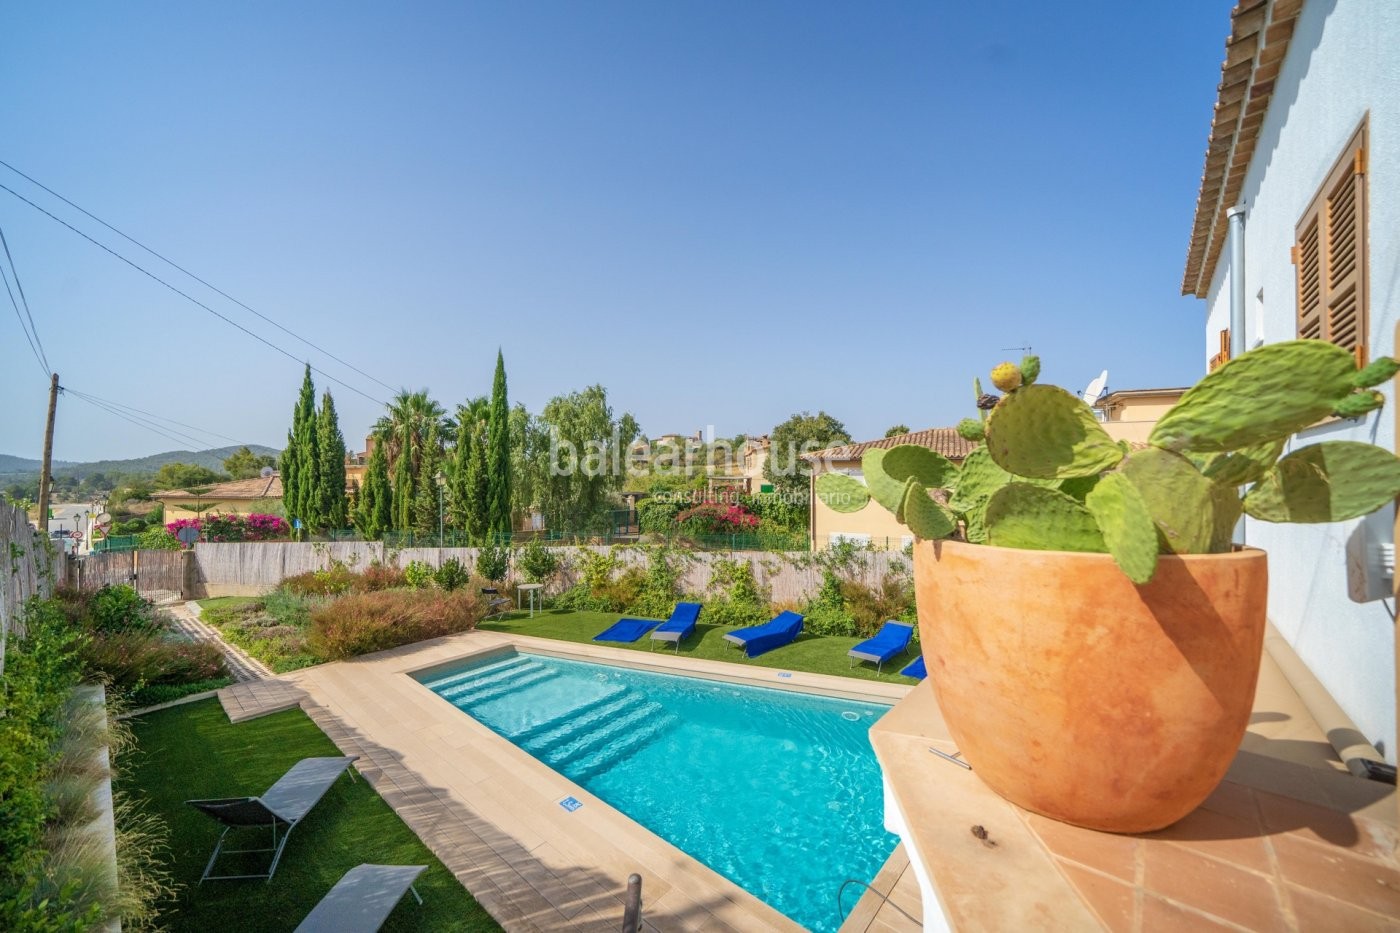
290,471
308,457
498,454
405,490
425,504
331,494
373,515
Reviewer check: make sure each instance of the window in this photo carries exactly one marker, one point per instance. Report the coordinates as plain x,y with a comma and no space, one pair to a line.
1330,255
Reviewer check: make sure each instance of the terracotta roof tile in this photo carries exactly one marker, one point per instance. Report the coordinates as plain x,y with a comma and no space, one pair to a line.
259,487
1252,53
946,441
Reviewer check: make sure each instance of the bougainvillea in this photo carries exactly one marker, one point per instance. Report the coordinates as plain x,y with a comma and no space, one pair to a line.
233,527
717,518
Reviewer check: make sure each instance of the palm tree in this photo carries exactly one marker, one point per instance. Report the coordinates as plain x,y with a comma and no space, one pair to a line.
403,432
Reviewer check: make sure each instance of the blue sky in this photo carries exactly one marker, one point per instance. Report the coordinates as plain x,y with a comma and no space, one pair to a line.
723,212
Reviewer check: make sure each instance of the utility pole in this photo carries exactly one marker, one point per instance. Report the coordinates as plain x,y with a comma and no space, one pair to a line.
44,476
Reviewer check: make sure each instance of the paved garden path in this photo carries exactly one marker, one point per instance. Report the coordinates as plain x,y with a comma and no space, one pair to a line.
241,666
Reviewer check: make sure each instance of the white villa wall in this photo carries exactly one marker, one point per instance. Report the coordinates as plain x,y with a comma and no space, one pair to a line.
1341,65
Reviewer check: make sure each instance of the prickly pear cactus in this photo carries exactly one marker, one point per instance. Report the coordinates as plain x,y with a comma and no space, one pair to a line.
1128,531
1263,395
1381,370
1030,369
926,518
971,429
1006,376
1040,519
887,471
1238,467
1327,482
1044,432
842,493
1189,513
979,478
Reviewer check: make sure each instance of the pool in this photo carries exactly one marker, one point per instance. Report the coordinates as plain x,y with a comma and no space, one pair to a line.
778,791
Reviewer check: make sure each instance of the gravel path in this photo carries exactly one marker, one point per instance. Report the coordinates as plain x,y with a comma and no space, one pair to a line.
241,666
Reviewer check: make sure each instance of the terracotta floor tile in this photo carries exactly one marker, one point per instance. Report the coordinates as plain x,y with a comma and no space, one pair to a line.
1109,853
1364,882
1320,824
1160,916
1233,800
1231,838
1217,888
1111,900
1318,912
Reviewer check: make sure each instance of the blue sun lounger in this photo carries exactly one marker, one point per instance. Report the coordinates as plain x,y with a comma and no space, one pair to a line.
677,628
892,639
774,634
915,669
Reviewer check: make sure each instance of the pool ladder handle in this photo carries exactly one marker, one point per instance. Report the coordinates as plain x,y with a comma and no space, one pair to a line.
632,904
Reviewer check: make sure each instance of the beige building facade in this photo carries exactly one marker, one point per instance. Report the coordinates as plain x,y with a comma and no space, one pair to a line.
1130,414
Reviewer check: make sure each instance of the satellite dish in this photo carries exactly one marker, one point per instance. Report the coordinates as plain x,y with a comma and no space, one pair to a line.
267,471
103,518
1095,388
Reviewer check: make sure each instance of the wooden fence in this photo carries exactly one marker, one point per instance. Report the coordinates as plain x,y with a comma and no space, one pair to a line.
152,573
30,566
251,569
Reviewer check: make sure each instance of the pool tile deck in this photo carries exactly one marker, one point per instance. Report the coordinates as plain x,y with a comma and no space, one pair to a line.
1290,841
491,811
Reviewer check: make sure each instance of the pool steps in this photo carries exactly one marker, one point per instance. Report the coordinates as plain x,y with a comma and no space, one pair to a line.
581,742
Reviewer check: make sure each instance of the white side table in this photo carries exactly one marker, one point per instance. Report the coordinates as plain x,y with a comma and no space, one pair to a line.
532,589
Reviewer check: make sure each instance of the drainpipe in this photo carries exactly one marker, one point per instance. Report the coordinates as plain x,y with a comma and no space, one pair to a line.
1235,217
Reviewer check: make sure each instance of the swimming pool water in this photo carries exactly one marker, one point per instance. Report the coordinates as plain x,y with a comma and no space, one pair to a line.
777,791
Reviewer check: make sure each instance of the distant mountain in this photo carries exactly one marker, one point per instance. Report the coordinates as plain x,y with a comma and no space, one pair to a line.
11,466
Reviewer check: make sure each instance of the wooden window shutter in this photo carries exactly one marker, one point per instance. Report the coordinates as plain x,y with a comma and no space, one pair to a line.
1330,256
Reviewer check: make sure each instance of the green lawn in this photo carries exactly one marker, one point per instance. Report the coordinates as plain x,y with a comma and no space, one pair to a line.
192,751
817,654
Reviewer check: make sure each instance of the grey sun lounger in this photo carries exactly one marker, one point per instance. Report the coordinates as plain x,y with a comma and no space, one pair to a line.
281,807
362,899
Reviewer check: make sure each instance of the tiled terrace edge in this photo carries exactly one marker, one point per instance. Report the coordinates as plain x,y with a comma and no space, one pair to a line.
491,811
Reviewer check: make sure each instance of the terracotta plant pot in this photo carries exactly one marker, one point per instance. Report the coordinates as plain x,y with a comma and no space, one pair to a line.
1078,695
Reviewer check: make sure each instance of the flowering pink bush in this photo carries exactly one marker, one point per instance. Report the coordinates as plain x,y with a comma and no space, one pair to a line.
255,527
717,518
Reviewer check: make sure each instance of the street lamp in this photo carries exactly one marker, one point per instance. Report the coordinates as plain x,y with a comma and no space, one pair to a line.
441,481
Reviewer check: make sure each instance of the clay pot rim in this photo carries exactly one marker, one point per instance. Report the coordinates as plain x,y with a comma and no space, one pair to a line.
1240,553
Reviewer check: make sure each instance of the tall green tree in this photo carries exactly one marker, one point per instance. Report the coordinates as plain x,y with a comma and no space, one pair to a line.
243,464
428,496
803,433
403,432
498,500
467,490
186,476
301,461
579,458
330,498
373,509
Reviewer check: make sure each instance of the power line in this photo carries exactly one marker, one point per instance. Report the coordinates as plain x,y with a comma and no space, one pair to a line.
188,297
30,340
124,417
201,281
39,351
152,415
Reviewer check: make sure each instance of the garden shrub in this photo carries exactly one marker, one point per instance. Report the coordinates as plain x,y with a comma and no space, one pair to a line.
658,516
661,585
332,581
826,612
120,609
378,576
418,574
451,575
366,622
41,670
493,562
157,539
537,563
272,629
132,660
735,597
